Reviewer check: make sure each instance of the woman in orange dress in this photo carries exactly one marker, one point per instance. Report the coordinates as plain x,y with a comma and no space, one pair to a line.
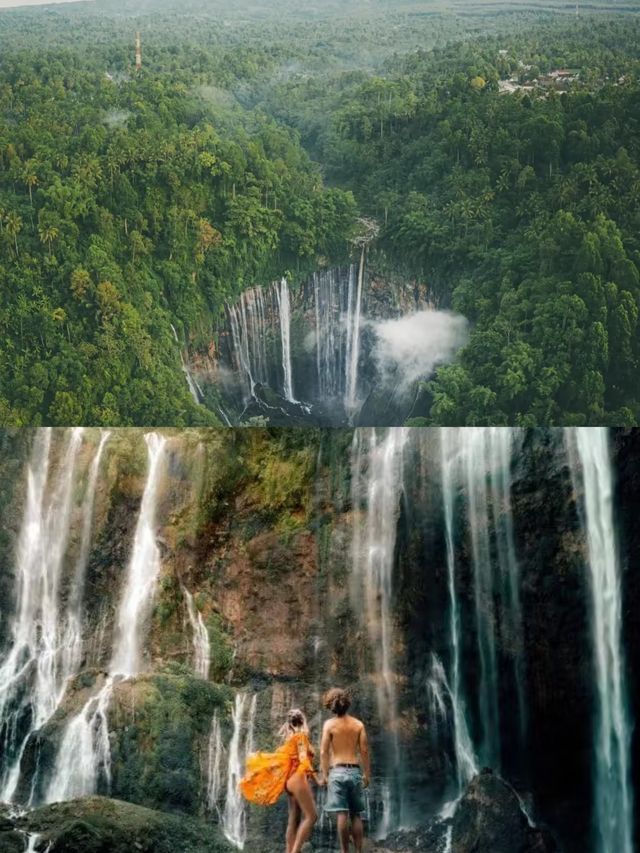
288,769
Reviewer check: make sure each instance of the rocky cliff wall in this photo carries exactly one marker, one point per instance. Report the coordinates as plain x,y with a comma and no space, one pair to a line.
258,527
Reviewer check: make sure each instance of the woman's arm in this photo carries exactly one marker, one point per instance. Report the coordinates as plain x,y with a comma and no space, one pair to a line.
305,752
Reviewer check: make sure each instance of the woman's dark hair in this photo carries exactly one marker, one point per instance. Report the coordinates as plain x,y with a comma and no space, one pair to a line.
338,701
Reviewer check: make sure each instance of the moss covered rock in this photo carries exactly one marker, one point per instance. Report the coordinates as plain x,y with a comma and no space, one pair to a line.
159,725
100,825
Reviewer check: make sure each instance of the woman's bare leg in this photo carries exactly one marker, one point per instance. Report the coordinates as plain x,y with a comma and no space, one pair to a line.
293,822
298,785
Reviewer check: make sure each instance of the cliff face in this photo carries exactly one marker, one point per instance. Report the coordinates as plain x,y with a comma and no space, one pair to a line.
330,351
258,528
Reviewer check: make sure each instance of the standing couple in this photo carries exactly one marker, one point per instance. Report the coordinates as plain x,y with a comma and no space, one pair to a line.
345,766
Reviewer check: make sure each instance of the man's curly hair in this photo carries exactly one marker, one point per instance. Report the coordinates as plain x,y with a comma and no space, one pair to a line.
338,701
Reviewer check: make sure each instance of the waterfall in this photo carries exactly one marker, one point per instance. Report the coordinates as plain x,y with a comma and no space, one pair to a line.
500,452
201,647
437,689
73,644
251,319
284,311
34,674
444,707
234,816
215,754
239,336
260,336
337,332
612,730
448,840
377,485
477,461
142,572
466,766
194,389
475,474
84,755
32,840
326,293
354,312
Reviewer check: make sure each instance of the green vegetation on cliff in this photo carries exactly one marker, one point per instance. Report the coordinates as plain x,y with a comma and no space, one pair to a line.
161,720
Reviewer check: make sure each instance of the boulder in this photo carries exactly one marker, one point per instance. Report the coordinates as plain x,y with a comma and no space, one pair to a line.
490,819
101,825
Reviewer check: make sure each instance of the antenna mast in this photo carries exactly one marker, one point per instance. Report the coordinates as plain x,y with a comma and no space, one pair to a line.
138,52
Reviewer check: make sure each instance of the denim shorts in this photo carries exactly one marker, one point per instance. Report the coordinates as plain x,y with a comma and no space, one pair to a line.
345,792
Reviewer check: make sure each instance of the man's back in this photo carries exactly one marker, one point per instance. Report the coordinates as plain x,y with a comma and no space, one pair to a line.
346,768
345,733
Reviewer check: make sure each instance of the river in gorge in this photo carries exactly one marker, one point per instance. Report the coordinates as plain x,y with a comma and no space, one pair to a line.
167,596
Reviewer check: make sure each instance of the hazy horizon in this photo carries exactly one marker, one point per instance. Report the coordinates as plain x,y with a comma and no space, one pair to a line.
10,4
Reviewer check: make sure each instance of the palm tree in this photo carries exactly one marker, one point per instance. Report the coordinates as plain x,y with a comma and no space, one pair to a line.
14,227
31,180
48,233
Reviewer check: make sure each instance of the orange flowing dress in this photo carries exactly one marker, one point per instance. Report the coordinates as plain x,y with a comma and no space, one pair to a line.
268,772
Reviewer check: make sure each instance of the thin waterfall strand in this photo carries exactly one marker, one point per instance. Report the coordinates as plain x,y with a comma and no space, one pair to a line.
73,642
612,735
500,453
475,472
377,483
284,311
477,462
194,389
466,763
215,755
142,572
234,816
353,339
201,645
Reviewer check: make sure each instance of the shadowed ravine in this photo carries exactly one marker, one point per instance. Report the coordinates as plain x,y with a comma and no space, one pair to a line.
168,596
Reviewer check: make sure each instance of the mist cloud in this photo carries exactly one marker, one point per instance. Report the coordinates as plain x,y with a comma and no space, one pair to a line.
411,347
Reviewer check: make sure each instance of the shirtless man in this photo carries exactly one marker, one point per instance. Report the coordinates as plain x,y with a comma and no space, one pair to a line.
346,768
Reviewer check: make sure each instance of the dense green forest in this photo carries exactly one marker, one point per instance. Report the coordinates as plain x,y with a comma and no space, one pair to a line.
521,210
248,146
125,207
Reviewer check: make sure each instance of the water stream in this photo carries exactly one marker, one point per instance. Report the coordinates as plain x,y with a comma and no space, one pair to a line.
377,486
234,815
613,821
201,645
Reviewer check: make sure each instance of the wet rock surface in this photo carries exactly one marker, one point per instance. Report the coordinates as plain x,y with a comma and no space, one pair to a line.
490,817
100,825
